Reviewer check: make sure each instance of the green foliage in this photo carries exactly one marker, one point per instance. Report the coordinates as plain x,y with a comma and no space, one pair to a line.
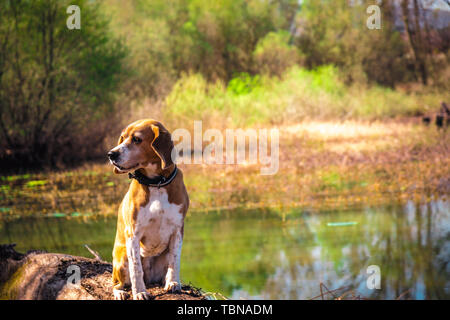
220,39
214,38
243,83
219,57
332,32
273,54
325,78
36,183
300,94
56,84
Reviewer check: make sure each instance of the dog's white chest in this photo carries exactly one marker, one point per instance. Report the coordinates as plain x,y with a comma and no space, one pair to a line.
157,222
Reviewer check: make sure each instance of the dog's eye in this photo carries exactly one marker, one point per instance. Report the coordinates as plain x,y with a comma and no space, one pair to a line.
136,140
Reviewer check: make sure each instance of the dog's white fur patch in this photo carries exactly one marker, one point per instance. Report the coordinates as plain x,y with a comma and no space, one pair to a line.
158,226
135,266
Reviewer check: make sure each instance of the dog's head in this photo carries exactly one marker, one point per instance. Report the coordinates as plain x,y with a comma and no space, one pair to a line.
142,144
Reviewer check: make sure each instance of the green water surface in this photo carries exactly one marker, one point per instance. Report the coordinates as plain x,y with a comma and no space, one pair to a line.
257,254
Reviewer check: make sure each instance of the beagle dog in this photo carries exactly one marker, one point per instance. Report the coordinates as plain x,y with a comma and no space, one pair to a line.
150,221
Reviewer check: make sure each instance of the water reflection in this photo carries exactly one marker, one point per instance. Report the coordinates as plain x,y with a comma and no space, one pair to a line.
255,254
411,246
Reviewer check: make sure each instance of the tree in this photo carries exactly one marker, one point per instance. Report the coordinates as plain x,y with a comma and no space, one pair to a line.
334,32
56,84
387,50
412,19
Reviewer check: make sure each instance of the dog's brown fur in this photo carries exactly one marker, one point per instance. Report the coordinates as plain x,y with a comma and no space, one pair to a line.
152,155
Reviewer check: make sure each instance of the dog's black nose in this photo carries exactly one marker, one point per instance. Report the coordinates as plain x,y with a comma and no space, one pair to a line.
113,155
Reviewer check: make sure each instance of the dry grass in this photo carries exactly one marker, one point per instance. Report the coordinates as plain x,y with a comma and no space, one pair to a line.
323,165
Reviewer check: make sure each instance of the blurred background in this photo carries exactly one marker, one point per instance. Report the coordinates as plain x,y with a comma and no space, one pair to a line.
363,114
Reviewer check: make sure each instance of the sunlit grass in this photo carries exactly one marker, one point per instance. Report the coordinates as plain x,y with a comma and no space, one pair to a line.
300,94
361,136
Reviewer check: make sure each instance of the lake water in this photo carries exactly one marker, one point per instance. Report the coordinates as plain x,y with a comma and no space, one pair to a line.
258,254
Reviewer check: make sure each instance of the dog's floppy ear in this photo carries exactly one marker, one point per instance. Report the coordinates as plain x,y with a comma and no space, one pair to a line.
162,144
115,170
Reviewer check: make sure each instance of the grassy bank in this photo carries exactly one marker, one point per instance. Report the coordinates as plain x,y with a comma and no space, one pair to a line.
323,165
300,94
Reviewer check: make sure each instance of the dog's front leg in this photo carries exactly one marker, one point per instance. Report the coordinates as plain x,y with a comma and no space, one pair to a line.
135,269
173,270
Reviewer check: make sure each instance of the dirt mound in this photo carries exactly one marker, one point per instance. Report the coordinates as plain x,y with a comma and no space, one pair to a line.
39,275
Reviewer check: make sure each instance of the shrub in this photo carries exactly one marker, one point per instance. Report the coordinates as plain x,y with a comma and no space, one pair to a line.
57,86
273,54
300,94
243,83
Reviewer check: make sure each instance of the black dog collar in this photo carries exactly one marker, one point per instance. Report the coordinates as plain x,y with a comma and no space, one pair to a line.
159,181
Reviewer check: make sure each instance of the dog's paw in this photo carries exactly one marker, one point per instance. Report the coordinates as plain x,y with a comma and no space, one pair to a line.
172,286
142,296
120,294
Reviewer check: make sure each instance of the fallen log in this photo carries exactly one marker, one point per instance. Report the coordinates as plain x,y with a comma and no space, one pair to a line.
39,275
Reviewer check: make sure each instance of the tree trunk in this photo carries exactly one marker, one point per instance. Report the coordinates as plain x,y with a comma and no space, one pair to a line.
39,275
414,35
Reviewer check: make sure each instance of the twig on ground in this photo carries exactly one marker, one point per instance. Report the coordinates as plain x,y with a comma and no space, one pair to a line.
403,294
94,253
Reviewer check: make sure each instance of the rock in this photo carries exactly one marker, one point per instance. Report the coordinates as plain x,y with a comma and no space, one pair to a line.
39,275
